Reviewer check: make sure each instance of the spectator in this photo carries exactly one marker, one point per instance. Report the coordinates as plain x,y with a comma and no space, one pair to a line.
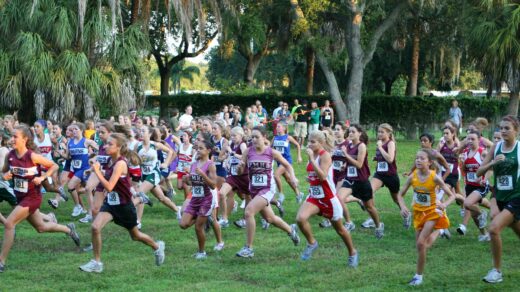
294,108
314,122
282,116
455,113
262,114
223,111
174,121
261,110
327,115
133,115
276,110
185,119
300,128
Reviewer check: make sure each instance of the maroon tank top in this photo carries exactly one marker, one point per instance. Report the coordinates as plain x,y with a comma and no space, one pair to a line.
24,170
354,173
385,167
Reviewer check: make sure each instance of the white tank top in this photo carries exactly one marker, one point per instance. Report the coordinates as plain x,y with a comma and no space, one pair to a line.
45,147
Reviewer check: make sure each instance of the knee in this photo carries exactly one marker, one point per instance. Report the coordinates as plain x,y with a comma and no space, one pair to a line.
494,230
8,225
301,219
96,229
467,204
248,213
420,244
40,228
183,225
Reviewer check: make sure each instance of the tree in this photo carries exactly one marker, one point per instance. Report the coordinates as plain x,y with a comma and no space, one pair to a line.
182,71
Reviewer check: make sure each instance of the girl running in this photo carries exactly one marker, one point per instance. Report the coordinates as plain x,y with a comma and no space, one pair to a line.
259,162
185,154
503,160
22,166
117,205
322,199
356,181
202,178
428,211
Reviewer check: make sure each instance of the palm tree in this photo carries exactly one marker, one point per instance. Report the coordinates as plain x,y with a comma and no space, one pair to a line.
63,59
495,39
179,72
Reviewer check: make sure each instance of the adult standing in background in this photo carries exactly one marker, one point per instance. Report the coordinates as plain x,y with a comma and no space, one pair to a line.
455,113
186,118
175,125
314,122
300,128
261,110
327,115
276,119
295,107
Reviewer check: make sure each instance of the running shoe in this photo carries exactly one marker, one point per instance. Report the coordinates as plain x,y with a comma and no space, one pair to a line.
350,226
145,199
445,233
53,218
169,194
179,214
281,198
353,261
245,252
482,219
462,212
219,246
92,267
281,209
265,224
461,229
362,206
299,198
493,276
380,231
294,234
200,255
224,223
159,253
325,223
243,204
139,225
407,221
2,267
369,223
86,219
416,281
235,206
62,193
484,237
88,248
53,203
77,211
240,223
74,234
309,249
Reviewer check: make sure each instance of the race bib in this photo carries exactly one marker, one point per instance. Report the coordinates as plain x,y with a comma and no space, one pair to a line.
327,117
279,146
197,191
505,183
352,171
422,199
472,176
77,163
337,164
113,199
147,169
382,166
181,165
234,169
218,163
21,185
316,192
259,180
451,167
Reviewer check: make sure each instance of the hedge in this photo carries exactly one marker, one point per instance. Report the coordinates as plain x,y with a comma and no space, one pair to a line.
403,112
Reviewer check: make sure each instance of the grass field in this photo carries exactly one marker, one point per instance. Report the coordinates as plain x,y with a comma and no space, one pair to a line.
49,262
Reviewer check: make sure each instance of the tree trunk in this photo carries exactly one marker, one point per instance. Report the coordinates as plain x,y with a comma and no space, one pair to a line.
310,58
355,90
339,105
388,85
413,78
512,106
135,11
165,81
251,67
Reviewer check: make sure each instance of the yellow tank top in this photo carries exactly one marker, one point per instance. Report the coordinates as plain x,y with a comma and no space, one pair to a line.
424,196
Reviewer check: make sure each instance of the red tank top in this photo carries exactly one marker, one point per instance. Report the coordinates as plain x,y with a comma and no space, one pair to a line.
320,189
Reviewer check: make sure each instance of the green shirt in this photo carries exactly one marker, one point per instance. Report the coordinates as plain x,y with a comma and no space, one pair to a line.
507,172
315,116
174,124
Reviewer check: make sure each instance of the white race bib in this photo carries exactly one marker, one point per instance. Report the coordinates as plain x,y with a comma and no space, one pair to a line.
422,199
197,191
234,170
505,182
181,165
21,185
147,169
76,163
113,199
337,164
327,117
259,180
352,171
451,167
382,166
472,176
316,192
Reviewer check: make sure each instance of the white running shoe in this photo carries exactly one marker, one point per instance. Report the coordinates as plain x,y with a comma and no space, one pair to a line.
159,253
493,276
219,246
52,218
482,219
200,255
294,234
139,225
179,214
369,223
88,248
462,212
484,237
86,219
77,211
246,252
235,206
92,267
380,231
461,229
350,226
281,198
299,198
325,223
309,249
53,203
407,221
445,233
243,204
240,223
353,261
224,223
265,224
416,281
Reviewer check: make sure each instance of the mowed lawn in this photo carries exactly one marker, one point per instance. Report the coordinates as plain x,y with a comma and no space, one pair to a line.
49,262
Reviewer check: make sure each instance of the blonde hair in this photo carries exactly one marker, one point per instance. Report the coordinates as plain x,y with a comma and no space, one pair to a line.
223,128
388,129
325,138
481,123
238,131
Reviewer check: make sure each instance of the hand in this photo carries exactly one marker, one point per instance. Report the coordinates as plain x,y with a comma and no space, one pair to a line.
8,175
96,166
310,153
441,206
379,143
38,180
199,171
344,149
163,165
405,212
299,159
406,173
186,169
499,158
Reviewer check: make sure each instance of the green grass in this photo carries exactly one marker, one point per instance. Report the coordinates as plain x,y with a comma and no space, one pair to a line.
49,262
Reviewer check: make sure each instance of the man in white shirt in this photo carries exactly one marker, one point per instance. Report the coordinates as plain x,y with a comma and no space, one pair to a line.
277,110
185,119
